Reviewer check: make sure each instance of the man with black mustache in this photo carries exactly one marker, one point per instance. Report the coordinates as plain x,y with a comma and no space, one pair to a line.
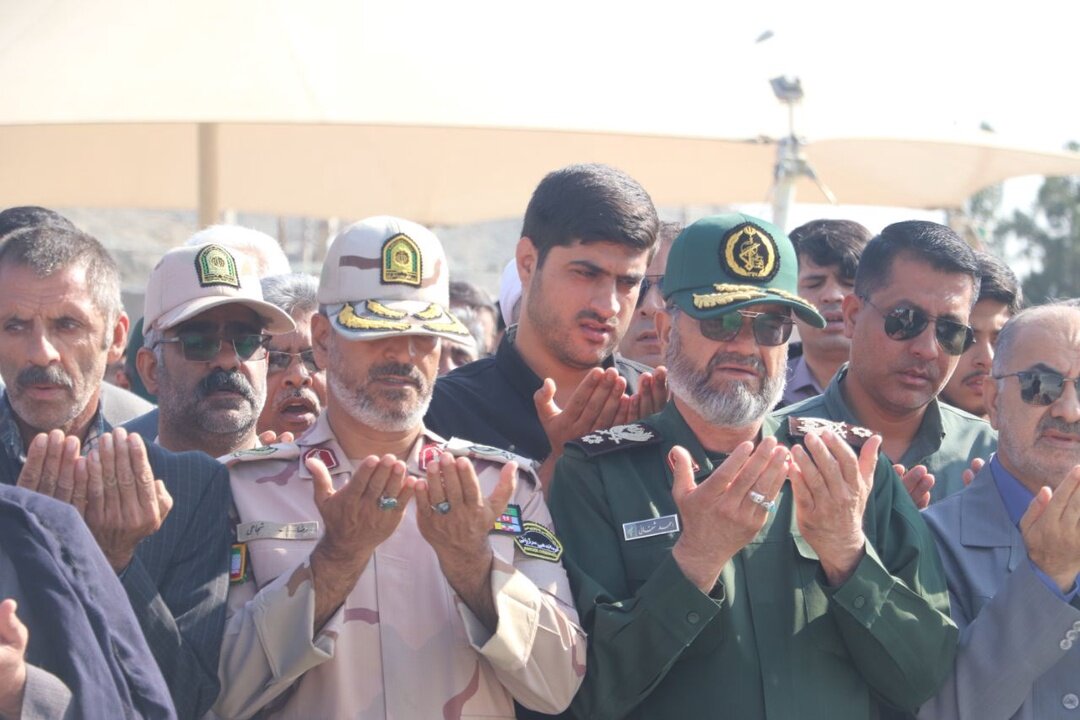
909,321
148,509
349,606
206,330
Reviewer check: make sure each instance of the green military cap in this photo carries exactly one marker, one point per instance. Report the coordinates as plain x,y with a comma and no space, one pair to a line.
725,262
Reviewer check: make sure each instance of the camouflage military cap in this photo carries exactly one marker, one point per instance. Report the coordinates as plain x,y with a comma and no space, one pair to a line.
385,276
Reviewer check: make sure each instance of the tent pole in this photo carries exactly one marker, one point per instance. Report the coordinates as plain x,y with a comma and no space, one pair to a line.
209,170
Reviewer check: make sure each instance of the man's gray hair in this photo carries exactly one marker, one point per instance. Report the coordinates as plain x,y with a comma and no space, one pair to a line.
1007,335
294,293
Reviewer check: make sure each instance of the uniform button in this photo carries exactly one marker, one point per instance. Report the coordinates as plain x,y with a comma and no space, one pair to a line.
1065,644
1072,635
860,601
1076,625
1070,701
692,618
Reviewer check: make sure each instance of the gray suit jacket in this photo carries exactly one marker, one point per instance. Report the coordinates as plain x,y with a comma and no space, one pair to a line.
1016,657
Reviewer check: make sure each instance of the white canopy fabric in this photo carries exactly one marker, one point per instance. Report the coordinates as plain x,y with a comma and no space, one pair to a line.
441,112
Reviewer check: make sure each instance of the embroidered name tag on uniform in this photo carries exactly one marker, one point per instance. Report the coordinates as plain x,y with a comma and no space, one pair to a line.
539,542
238,563
263,530
648,528
509,522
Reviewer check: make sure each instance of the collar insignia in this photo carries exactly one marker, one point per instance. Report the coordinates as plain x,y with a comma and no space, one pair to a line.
325,454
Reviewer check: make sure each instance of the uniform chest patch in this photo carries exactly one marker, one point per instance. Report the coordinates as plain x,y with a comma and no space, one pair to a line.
238,563
509,523
538,542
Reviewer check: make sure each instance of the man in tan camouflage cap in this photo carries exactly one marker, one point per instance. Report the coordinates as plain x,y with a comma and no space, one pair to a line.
206,330
349,600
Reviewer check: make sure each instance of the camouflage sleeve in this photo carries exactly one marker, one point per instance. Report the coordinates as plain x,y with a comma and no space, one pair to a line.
538,649
268,643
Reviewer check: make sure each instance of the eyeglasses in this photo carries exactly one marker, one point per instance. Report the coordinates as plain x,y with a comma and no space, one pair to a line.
201,347
647,283
278,361
905,323
1040,387
770,329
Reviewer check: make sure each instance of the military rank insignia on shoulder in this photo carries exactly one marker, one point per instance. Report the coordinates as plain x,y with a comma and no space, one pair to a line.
620,437
281,451
539,542
464,448
800,427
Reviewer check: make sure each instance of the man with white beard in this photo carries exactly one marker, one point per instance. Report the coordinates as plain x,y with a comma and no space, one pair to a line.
344,605
706,581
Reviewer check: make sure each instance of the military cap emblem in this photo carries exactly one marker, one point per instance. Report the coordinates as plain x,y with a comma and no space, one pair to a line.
750,252
215,266
401,261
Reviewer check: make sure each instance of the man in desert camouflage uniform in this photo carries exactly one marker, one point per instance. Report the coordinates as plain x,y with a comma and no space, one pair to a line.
347,599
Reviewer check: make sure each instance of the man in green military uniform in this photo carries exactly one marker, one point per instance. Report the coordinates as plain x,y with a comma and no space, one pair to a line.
708,585
908,320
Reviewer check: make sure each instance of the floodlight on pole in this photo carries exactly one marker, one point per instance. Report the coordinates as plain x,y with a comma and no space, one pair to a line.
791,164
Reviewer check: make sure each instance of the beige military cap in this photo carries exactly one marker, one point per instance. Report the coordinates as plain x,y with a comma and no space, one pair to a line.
386,276
188,281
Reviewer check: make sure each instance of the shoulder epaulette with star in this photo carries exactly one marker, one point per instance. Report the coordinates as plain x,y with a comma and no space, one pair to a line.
800,427
464,448
620,437
280,451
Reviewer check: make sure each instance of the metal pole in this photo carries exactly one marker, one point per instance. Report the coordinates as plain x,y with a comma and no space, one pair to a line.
209,195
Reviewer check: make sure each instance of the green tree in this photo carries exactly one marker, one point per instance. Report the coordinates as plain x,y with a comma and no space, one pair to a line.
1051,234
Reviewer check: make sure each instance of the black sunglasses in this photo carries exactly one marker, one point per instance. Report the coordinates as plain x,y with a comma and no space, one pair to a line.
1040,387
647,283
770,329
904,323
203,347
279,361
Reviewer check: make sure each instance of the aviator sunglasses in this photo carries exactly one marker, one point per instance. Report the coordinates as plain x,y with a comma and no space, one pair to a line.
770,329
1040,387
203,347
279,361
904,323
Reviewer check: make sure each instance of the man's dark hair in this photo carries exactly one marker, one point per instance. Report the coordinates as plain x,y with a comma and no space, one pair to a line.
24,216
936,245
50,248
831,242
590,203
999,283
